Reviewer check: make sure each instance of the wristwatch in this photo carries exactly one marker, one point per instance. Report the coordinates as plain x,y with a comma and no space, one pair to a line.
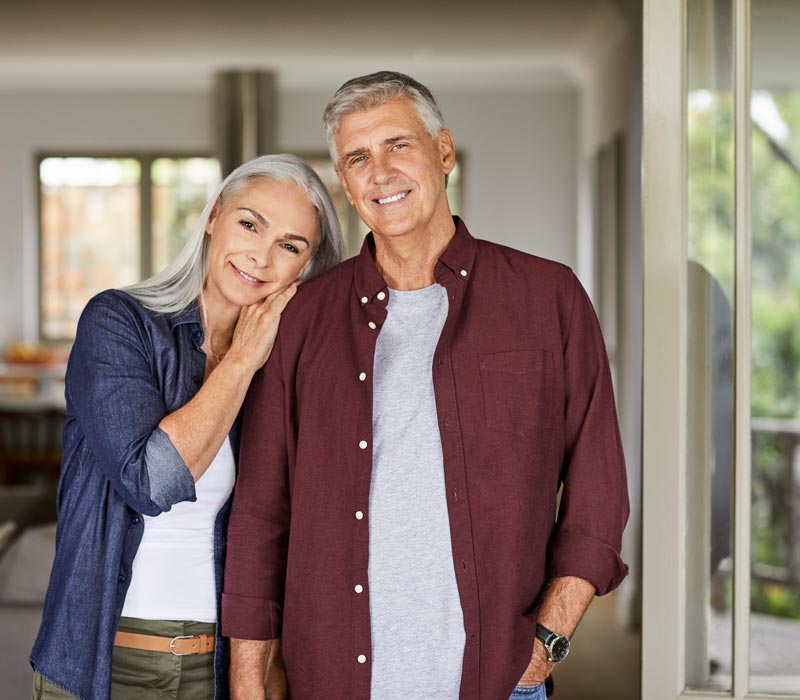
556,645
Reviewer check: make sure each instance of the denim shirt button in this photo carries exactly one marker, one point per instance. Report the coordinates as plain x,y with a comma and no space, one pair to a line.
135,520
121,578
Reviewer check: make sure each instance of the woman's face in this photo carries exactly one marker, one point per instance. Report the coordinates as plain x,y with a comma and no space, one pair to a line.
261,239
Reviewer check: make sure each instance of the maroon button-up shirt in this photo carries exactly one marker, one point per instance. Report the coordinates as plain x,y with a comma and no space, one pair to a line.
525,404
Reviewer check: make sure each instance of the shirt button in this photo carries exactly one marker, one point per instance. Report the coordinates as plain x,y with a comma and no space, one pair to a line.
372,325
364,300
135,520
359,588
362,376
463,273
121,578
363,444
359,515
381,296
362,659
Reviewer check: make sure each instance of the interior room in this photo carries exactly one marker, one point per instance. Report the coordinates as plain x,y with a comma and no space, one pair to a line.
152,100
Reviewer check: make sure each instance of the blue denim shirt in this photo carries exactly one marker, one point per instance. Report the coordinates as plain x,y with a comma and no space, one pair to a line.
129,367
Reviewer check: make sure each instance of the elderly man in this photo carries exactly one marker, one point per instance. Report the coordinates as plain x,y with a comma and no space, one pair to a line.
396,519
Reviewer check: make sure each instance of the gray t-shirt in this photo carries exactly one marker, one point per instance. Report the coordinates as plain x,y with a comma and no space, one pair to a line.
417,622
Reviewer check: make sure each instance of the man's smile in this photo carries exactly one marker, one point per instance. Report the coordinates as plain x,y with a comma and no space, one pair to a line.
394,198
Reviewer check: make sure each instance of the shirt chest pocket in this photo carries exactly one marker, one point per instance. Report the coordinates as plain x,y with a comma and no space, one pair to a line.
518,391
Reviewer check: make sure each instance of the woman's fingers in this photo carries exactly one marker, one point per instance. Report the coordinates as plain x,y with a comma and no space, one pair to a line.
258,323
278,300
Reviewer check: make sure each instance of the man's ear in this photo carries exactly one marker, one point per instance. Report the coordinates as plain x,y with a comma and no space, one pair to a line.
447,150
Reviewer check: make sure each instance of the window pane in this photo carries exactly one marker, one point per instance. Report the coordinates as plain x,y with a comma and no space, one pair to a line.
775,387
710,314
180,189
89,234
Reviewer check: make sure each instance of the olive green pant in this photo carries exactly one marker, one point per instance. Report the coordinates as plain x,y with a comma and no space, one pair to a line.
151,675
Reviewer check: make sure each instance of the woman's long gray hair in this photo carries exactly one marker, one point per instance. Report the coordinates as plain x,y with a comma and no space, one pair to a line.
181,282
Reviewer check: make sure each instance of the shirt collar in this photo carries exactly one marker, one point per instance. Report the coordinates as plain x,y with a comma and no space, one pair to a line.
459,257
191,314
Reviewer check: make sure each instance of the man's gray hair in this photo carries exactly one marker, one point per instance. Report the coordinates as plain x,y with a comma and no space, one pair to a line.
369,91
181,283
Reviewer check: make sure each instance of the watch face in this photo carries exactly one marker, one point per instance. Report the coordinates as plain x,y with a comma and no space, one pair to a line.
559,649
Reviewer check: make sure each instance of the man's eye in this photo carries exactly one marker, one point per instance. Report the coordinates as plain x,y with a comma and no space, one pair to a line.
398,146
357,160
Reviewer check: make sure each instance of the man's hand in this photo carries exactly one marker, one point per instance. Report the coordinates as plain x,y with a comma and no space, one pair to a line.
563,604
249,668
539,668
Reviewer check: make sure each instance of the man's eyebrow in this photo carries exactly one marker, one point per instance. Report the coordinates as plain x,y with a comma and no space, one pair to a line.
355,152
258,216
385,142
397,139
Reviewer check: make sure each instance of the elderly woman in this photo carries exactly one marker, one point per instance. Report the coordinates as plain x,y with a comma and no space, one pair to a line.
154,384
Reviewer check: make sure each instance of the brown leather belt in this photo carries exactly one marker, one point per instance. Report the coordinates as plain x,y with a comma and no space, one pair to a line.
180,646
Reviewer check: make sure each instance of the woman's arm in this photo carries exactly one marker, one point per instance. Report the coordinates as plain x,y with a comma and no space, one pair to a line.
116,399
198,428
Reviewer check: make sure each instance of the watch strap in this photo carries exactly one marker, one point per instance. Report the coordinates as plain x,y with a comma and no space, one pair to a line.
543,634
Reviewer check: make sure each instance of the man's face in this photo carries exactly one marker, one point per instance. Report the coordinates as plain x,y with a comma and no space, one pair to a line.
392,170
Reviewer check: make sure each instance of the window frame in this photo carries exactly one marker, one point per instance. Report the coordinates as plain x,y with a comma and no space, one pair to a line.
146,159
665,561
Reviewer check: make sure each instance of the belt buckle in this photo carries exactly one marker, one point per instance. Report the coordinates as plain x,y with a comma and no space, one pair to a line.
175,639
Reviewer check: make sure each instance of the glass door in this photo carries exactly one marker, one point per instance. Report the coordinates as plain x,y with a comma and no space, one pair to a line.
721,499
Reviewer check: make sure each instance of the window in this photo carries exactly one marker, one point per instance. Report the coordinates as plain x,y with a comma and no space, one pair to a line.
111,221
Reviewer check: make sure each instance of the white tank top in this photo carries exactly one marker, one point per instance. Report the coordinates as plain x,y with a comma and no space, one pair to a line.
173,571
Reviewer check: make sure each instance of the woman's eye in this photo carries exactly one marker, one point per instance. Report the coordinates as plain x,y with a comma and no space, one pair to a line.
290,248
249,225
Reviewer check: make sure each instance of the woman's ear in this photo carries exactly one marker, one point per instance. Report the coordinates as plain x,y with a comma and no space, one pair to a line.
212,217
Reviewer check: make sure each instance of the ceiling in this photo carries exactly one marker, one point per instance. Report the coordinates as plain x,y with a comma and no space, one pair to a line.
182,43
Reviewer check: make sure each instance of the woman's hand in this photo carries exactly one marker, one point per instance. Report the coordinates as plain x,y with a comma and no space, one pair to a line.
257,327
197,429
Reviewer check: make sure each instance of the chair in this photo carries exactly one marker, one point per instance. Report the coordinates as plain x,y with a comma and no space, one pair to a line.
30,445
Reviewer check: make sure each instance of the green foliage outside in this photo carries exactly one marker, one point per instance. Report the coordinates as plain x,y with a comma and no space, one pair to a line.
775,278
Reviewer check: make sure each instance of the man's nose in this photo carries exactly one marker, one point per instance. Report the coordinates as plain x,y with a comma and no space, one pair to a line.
382,171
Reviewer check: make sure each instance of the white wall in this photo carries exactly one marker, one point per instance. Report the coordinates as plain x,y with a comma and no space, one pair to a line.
520,149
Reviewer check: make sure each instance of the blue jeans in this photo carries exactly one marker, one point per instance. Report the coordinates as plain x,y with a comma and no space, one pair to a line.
529,692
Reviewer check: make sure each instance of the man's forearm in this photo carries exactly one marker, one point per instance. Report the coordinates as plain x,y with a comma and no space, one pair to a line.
564,601
249,668
563,604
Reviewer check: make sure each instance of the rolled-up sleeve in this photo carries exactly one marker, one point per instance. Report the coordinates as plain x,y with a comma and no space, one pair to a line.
114,394
258,532
594,504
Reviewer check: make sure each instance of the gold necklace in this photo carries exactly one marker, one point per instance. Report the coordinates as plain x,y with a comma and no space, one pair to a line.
218,358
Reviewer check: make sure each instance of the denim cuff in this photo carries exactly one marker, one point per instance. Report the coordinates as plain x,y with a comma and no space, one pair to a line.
170,479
